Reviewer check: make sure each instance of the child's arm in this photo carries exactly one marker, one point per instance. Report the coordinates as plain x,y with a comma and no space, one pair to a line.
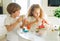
26,23
12,26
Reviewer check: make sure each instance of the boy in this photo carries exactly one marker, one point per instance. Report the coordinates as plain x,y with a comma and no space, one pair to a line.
12,23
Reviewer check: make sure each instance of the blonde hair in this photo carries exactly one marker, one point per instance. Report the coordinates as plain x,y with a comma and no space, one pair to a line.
32,9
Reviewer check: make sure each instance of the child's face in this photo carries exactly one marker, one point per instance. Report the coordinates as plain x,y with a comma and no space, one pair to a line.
36,12
17,13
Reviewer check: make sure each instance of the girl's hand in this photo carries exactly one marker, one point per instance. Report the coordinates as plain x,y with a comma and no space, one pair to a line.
41,32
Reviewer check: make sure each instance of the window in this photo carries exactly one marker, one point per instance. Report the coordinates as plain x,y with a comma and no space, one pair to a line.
23,4
54,3
35,2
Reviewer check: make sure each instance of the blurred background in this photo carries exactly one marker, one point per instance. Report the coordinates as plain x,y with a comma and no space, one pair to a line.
47,5
51,9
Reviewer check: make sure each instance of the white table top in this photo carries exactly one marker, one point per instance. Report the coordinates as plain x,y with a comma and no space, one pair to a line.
29,36
24,35
51,36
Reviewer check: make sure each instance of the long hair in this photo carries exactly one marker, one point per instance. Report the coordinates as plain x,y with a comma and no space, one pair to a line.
32,8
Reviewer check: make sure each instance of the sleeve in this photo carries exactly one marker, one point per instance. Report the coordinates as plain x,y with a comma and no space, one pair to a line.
7,21
46,18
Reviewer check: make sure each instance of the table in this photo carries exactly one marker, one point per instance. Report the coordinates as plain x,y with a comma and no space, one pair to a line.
29,36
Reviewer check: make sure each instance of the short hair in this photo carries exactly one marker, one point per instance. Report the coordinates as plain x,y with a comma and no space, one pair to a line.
13,7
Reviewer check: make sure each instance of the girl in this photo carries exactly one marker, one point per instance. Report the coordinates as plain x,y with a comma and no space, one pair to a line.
35,13
35,21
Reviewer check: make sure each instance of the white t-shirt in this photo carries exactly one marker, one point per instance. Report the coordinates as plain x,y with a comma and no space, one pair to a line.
12,35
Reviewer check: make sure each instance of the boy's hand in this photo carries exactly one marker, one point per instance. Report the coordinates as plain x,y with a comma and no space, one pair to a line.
20,19
25,22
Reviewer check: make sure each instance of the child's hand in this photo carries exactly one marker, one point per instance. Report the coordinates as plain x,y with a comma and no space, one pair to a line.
20,19
25,21
41,32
